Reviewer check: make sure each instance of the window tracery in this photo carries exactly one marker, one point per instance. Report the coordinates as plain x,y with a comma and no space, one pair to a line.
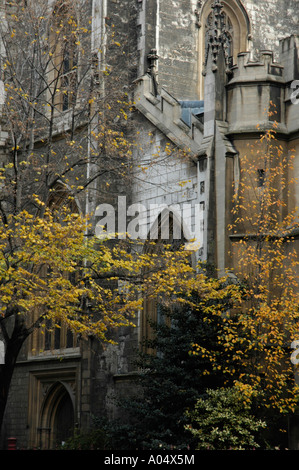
167,233
221,23
227,34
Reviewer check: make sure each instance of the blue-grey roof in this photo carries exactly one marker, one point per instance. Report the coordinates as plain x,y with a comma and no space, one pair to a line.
189,108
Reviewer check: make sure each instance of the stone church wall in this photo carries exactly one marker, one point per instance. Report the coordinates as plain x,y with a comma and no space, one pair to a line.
271,20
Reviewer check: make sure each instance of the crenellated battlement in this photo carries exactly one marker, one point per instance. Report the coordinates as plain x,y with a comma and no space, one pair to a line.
263,69
256,90
262,86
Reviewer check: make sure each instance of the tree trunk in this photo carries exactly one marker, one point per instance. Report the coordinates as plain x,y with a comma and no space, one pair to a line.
13,346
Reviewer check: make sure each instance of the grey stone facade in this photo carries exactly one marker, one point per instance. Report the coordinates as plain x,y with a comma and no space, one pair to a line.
214,118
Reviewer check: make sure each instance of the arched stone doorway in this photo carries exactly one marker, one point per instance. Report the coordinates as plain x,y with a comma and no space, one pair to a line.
169,231
57,417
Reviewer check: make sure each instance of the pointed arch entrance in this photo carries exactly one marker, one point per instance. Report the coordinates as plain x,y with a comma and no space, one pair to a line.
57,416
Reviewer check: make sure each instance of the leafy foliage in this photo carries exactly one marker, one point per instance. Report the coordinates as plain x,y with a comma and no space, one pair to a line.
222,420
262,323
267,261
95,439
171,380
64,127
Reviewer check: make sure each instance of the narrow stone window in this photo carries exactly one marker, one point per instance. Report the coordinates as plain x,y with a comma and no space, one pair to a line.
54,335
64,52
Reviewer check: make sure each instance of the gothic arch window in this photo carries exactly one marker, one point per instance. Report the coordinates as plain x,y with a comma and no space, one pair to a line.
54,337
64,54
229,33
167,232
237,31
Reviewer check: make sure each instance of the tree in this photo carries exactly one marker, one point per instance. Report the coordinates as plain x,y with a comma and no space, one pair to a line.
60,107
269,260
53,135
64,148
171,379
259,329
52,273
222,420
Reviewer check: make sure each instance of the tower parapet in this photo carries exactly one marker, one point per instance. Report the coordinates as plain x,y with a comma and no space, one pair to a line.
255,91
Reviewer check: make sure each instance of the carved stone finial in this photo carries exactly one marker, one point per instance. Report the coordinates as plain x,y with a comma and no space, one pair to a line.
217,36
152,58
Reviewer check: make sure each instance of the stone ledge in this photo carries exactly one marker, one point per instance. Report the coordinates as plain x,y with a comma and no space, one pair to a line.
164,112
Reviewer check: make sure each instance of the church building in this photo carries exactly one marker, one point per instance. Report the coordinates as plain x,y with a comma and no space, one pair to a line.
205,78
